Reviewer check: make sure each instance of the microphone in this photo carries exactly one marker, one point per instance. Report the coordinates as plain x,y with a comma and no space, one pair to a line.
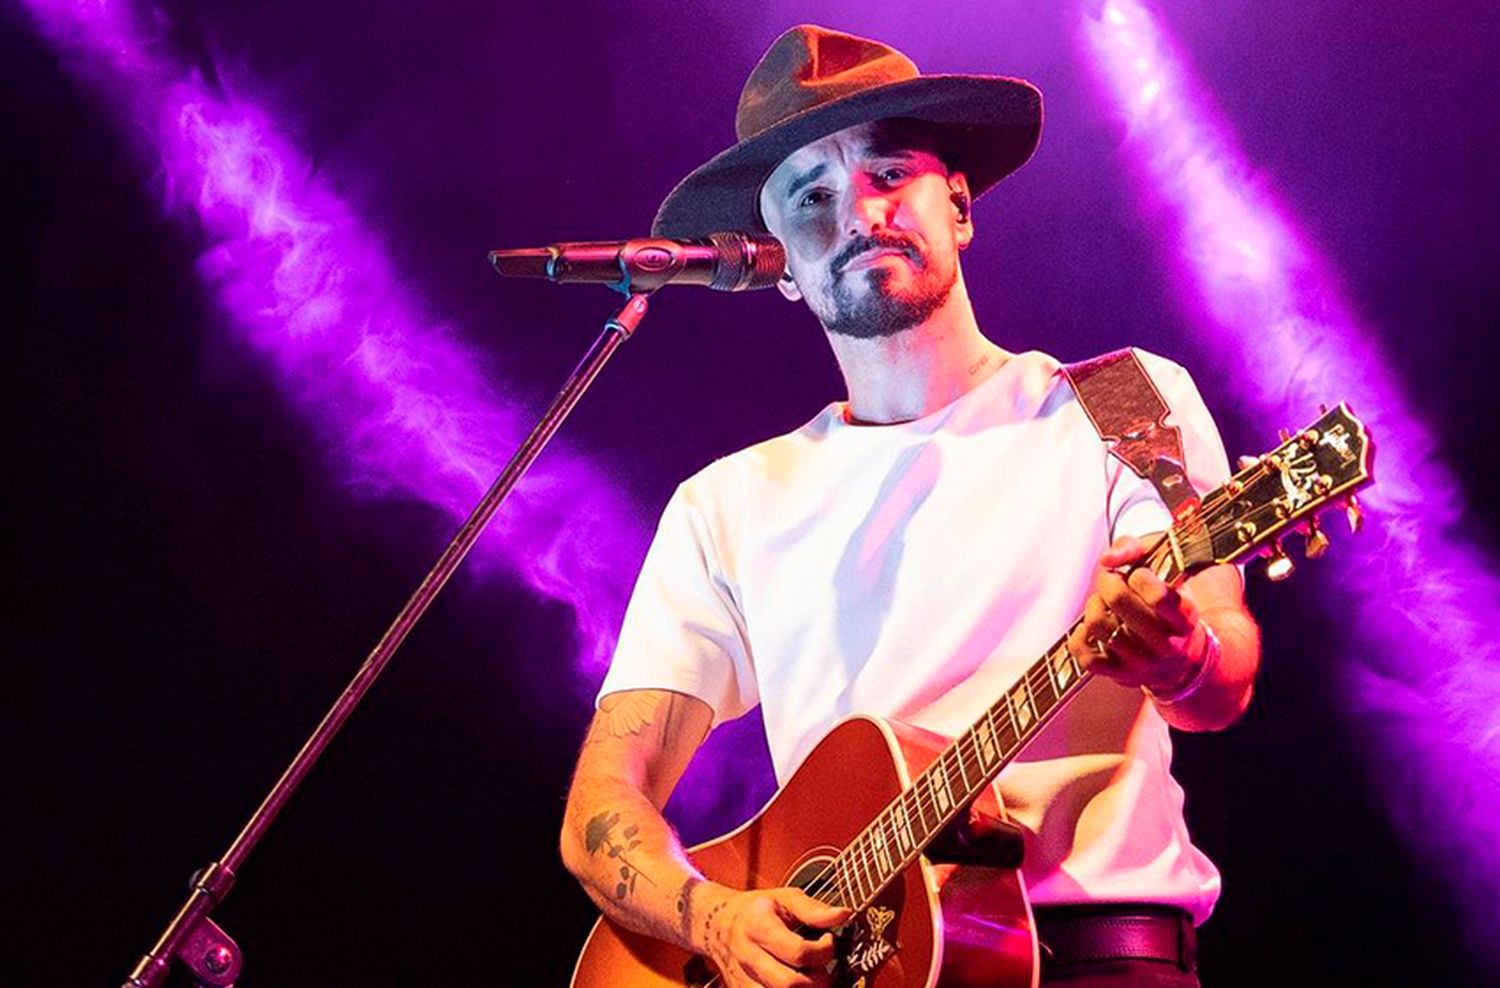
728,262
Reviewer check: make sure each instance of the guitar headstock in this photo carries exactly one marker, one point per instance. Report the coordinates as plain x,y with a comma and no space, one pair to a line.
1280,492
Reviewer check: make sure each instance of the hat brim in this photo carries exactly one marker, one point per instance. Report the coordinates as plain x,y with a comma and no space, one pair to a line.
988,127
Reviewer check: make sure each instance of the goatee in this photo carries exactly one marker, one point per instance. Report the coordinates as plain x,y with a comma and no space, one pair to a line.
879,313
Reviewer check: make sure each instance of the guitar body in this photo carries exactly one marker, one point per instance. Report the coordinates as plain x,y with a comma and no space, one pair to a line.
974,929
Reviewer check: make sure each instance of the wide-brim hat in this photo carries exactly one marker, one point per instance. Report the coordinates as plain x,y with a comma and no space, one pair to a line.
813,82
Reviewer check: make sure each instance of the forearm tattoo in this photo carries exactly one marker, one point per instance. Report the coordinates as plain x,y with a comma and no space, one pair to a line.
599,832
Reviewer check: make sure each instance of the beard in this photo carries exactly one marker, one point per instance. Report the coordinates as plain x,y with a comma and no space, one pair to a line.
879,311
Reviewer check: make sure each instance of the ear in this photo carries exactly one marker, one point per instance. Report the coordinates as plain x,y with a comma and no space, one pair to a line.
787,286
962,202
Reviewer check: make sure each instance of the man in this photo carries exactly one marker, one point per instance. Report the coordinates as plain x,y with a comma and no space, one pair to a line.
911,551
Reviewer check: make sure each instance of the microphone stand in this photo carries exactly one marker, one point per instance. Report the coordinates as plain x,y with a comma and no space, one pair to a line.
193,937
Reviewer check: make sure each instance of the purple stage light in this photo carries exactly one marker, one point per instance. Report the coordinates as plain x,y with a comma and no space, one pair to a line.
406,408
1420,669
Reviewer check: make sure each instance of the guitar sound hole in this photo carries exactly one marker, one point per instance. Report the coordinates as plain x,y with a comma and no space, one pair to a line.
813,875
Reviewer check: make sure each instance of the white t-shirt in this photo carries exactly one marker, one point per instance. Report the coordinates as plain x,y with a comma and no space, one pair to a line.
916,571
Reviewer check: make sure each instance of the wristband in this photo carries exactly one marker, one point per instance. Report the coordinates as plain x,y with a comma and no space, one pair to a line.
1210,660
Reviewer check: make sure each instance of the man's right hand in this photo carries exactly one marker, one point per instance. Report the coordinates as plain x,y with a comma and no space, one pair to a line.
753,936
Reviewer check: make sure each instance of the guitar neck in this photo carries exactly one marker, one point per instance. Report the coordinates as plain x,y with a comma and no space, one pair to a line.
955,778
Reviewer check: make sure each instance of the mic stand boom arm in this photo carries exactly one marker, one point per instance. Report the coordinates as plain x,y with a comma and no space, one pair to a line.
192,936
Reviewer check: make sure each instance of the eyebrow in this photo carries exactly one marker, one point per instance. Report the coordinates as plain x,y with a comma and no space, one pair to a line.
890,146
806,178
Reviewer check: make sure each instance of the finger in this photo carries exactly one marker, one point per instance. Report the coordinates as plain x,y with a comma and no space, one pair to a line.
763,969
1164,601
811,912
1123,608
1123,551
1131,655
1141,625
1127,663
1098,621
1148,608
792,949
1079,647
1097,624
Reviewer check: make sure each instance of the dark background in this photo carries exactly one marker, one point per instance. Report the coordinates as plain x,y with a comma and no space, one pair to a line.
192,581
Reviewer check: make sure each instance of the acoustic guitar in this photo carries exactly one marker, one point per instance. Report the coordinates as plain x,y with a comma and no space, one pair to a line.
856,838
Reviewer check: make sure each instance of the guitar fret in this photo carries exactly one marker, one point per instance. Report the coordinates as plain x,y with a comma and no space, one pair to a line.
1020,698
867,870
883,851
985,737
906,841
856,874
851,872
1003,734
841,879
1010,715
1178,561
1044,692
953,772
1064,669
965,748
941,798
925,804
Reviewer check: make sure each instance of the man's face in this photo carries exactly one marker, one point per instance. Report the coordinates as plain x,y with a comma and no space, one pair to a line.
871,229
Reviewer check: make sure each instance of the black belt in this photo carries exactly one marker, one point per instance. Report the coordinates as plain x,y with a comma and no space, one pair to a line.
1077,934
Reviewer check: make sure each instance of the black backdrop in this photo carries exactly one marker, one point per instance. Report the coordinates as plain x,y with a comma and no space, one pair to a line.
192,581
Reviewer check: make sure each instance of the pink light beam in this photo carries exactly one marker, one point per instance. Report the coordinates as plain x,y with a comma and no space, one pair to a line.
404,406
1420,664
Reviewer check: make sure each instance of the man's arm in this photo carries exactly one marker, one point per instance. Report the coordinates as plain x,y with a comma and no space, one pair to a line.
1195,649
628,859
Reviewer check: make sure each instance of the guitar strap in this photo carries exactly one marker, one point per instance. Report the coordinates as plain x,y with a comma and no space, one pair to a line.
1130,415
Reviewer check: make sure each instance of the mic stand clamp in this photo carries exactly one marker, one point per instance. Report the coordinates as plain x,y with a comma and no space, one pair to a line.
195,939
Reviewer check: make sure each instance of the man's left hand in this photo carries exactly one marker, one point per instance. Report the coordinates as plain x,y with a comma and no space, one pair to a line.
1136,629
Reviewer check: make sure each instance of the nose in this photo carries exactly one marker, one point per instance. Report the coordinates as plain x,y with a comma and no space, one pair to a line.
868,209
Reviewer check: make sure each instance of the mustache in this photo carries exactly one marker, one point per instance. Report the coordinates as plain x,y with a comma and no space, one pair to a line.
874,241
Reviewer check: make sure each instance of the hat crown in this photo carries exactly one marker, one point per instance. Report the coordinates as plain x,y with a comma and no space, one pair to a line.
809,66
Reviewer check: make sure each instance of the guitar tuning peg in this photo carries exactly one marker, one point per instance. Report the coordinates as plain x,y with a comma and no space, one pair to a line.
1279,565
1317,542
1322,408
1284,434
1354,513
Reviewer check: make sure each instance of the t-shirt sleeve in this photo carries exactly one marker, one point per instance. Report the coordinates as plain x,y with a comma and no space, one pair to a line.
683,629
1134,506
